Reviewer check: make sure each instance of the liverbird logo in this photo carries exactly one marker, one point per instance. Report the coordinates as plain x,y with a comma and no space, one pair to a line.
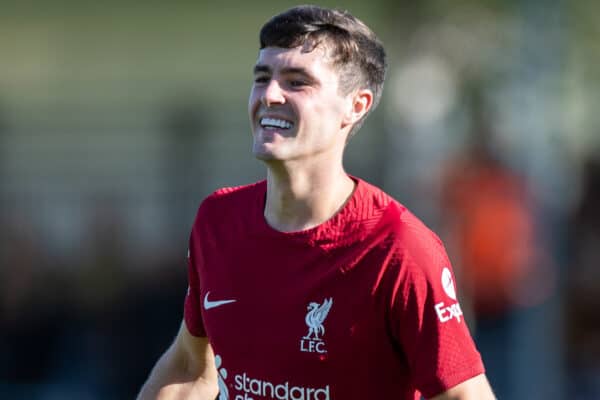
314,319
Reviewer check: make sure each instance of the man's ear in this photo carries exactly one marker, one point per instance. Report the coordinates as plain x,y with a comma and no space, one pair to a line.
360,104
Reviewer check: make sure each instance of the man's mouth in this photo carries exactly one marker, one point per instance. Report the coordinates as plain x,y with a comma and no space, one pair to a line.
275,123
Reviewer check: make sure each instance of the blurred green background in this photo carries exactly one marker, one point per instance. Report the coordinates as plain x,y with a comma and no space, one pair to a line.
118,117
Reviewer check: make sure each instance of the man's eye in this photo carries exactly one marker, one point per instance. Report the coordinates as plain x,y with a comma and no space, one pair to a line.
261,79
297,83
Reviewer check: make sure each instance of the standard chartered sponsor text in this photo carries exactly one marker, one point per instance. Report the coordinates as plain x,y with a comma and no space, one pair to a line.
282,391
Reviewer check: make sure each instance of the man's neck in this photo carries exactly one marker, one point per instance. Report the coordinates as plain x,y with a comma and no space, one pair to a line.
300,199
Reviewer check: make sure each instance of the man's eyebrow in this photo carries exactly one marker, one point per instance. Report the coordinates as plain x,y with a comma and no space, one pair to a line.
295,70
261,68
258,68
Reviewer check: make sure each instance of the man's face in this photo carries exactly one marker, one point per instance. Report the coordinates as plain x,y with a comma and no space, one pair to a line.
296,110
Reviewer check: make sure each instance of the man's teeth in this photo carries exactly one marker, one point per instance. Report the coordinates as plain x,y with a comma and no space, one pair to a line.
277,123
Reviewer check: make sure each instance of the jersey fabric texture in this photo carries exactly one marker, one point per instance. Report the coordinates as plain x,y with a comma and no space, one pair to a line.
362,306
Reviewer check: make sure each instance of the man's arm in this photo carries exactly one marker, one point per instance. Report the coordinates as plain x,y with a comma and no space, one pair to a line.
476,388
185,371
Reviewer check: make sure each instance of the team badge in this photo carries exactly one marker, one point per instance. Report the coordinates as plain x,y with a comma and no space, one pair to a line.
313,342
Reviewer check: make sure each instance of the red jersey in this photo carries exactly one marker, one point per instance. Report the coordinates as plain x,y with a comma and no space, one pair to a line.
362,306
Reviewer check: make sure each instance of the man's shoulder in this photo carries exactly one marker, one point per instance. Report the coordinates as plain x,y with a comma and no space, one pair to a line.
419,245
411,234
233,196
374,200
230,204
371,201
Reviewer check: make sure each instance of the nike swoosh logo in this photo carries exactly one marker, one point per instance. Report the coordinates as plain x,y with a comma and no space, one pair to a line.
212,304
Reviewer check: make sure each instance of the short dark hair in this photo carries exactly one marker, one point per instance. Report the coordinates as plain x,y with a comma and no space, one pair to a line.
356,51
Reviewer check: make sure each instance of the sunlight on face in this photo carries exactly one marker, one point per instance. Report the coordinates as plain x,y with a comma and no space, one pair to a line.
295,108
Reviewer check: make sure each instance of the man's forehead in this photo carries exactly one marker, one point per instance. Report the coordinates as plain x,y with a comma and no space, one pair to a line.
277,57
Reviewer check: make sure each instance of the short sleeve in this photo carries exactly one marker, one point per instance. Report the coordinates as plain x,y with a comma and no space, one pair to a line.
427,322
192,312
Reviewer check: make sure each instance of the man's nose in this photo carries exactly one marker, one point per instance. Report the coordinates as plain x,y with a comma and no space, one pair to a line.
273,94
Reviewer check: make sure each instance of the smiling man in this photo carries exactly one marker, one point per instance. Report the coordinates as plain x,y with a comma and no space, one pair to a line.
314,284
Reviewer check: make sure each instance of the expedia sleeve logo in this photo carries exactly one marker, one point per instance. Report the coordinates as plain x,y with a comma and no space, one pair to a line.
315,317
446,312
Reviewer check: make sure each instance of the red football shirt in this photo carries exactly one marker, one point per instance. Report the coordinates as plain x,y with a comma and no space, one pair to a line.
361,307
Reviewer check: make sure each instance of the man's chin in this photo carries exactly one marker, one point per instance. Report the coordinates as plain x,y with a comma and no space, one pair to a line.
266,157
272,154
264,154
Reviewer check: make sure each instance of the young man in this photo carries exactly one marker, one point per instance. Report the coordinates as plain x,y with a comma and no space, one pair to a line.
315,285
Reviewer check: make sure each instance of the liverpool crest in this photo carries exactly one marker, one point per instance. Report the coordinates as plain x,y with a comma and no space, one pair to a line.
312,342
